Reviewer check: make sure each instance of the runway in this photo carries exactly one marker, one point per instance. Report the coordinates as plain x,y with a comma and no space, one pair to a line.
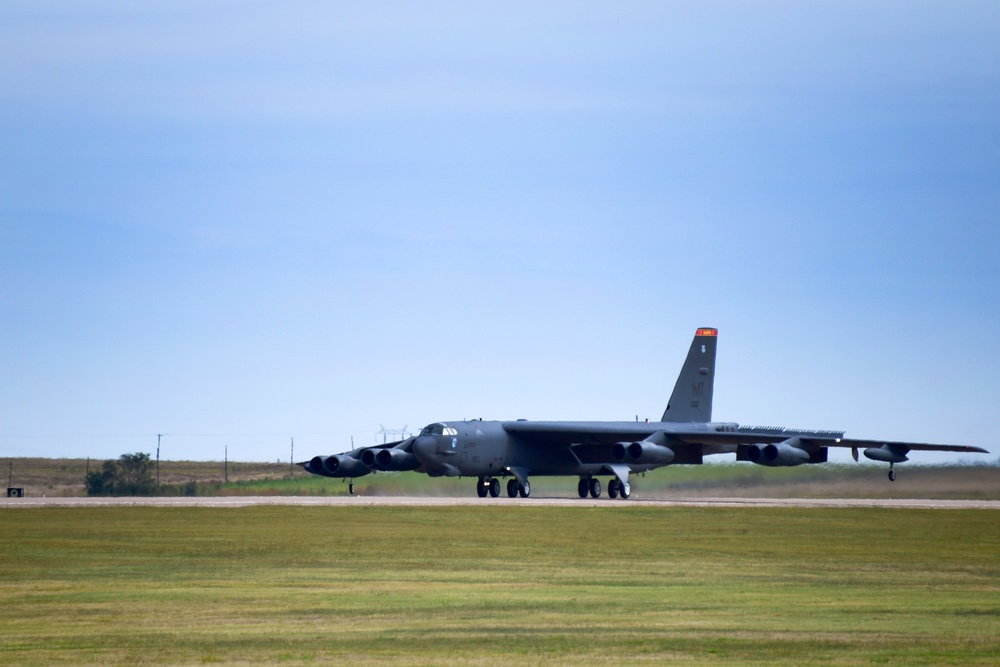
437,501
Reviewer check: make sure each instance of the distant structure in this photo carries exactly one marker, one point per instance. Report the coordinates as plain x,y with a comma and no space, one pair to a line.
13,491
395,433
158,436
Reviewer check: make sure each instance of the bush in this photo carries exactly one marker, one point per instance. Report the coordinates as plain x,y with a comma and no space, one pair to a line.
130,475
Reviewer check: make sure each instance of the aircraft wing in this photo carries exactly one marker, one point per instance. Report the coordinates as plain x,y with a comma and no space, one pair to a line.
575,433
915,446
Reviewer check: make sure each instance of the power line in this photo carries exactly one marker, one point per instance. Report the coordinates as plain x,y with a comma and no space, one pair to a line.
102,436
386,432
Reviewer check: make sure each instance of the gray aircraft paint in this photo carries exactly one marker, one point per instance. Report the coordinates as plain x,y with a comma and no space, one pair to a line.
491,450
691,400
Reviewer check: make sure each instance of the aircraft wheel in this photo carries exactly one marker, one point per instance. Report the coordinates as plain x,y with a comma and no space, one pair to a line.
892,475
482,488
494,488
595,488
613,489
350,488
524,489
512,488
584,487
625,490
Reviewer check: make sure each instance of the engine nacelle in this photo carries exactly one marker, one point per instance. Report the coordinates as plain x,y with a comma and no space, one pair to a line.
315,466
887,454
651,451
343,465
395,460
648,452
782,454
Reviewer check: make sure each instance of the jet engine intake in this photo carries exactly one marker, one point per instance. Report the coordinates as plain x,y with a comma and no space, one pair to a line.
652,450
395,460
315,465
648,452
781,454
343,465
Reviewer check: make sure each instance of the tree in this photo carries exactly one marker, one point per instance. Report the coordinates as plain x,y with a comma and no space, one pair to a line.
130,475
101,482
135,476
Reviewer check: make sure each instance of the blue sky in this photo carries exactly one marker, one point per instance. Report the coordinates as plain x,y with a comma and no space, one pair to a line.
239,223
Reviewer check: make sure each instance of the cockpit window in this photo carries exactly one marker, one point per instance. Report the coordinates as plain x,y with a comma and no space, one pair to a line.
439,429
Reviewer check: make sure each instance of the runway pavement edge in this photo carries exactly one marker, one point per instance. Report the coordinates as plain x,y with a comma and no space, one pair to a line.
437,501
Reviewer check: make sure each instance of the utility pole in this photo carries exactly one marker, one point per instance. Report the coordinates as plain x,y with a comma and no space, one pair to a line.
227,464
291,461
158,436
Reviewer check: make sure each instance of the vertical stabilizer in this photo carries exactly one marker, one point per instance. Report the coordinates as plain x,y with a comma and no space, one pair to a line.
692,397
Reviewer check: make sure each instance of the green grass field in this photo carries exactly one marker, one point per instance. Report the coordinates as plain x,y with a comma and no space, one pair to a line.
492,585
64,477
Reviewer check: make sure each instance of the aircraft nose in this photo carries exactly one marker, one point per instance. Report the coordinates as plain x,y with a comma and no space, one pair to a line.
425,448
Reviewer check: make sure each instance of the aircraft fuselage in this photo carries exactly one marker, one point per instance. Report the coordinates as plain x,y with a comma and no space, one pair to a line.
493,448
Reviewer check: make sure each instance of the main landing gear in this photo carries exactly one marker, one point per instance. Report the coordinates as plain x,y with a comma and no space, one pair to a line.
616,488
491,486
515,489
591,486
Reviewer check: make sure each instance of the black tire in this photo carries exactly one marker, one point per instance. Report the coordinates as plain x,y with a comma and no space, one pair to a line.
595,488
495,488
625,490
512,488
481,488
524,489
350,488
613,489
584,488
892,475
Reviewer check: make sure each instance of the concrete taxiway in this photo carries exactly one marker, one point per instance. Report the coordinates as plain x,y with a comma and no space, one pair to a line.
437,501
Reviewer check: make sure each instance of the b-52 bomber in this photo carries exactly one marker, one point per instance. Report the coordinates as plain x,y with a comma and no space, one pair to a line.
685,434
